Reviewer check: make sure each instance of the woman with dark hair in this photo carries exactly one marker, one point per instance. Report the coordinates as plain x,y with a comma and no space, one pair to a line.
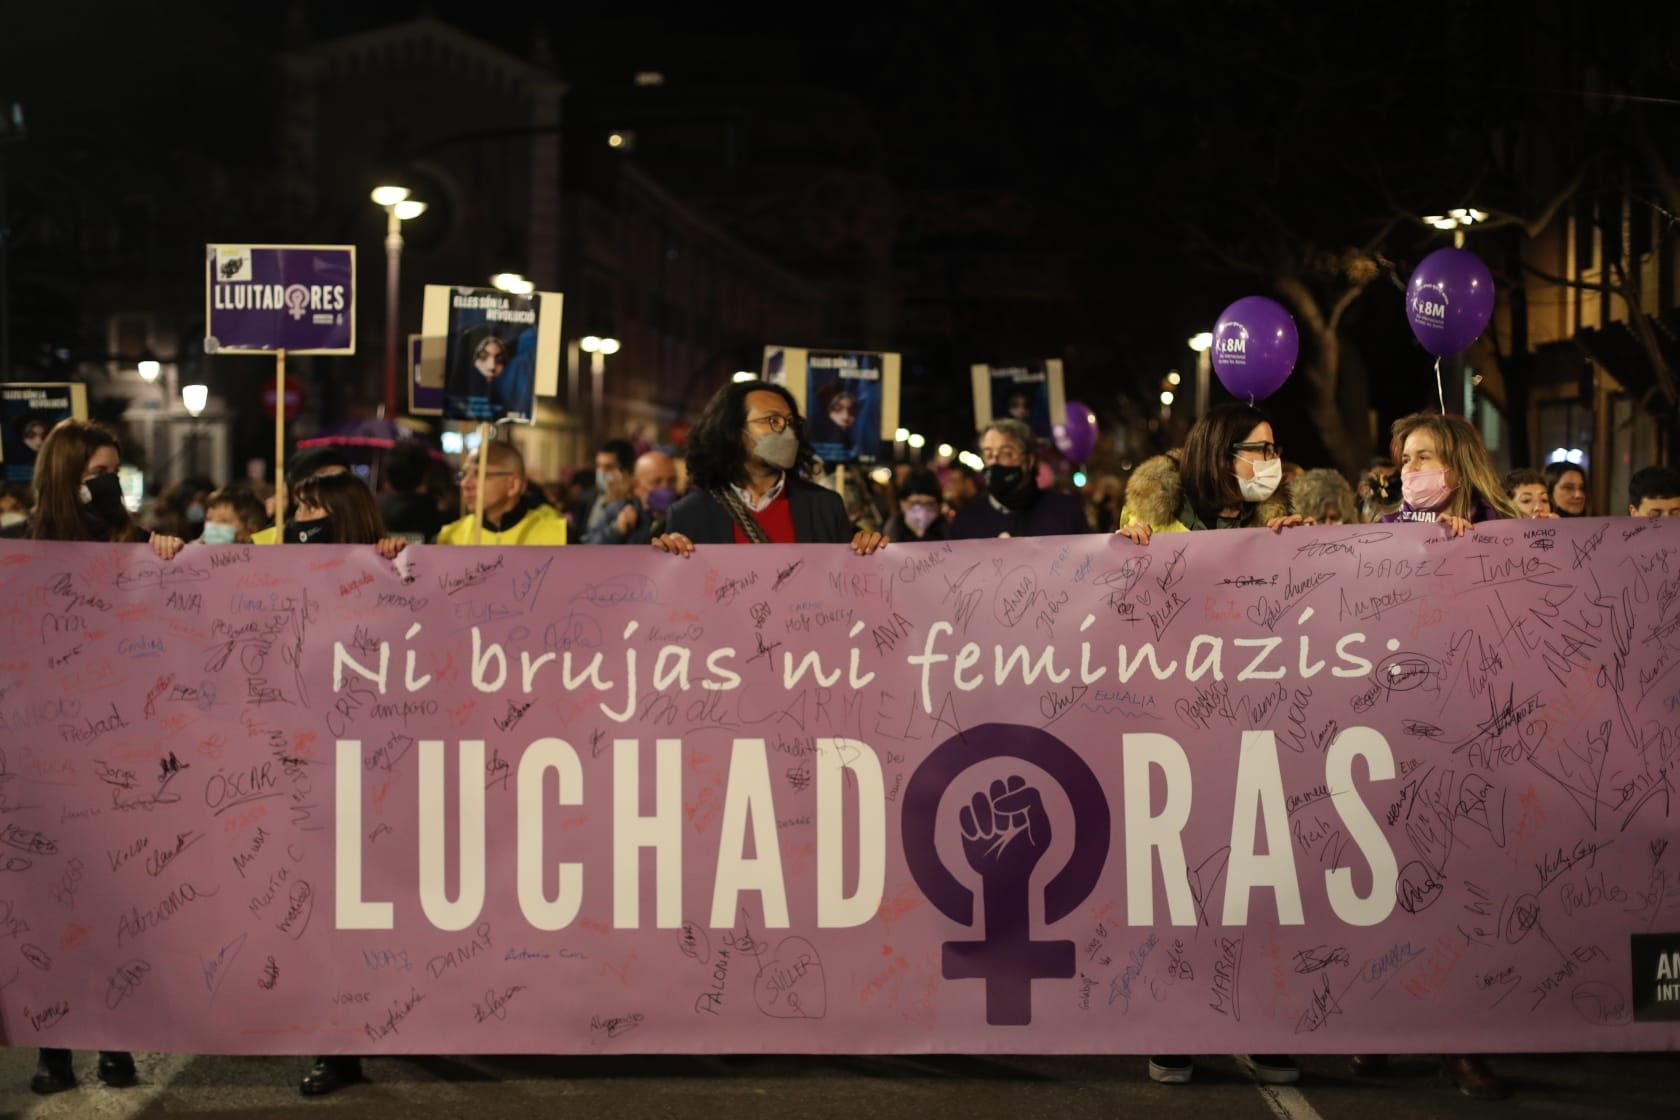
752,479
1228,476
918,517
339,509
78,498
1566,486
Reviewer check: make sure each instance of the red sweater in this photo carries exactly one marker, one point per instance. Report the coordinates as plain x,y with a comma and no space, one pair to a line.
776,520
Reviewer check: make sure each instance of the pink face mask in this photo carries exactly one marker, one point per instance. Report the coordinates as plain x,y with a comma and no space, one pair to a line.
1425,489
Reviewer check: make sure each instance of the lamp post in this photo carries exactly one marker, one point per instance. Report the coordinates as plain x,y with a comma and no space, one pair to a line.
194,397
598,348
399,208
1202,343
11,131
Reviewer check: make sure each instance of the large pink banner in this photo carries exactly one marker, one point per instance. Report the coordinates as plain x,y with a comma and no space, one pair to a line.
1353,789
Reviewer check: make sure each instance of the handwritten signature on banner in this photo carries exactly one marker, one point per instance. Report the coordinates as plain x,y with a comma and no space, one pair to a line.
1364,784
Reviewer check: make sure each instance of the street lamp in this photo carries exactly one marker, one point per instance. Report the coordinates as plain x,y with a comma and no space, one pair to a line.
195,397
744,375
1455,221
513,283
598,348
149,370
1202,343
399,208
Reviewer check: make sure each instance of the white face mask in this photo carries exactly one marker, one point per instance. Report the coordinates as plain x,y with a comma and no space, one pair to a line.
1268,475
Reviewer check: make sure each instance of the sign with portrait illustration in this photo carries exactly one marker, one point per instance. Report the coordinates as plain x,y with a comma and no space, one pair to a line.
29,409
849,398
492,353
1030,392
423,399
1363,788
262,298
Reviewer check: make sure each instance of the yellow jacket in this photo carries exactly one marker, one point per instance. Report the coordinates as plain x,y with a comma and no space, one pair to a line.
540,525
270,535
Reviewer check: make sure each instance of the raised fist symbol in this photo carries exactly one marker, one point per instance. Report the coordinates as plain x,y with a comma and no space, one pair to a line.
1005,832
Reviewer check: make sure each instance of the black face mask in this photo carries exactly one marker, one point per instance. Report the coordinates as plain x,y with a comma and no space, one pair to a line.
319,531
105,498
1009,485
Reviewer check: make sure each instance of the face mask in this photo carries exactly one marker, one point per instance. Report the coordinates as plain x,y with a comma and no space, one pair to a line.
103,495
1268,475
1425,489
195,514
779,449
659,499
919,518
603,479
12,517
219,532
1009,485
319,531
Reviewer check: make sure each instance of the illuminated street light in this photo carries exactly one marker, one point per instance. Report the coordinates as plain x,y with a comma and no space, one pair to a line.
149,370
513,283
946,451
881,475
1166,396
399,207
744,375
1173,378
917,440
1201,343
195,397
598,348
901,435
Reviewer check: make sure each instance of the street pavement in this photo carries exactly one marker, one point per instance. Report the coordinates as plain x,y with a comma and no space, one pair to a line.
1573,1086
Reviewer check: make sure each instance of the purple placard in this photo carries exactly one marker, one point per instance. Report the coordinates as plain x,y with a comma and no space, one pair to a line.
1356,789
263,298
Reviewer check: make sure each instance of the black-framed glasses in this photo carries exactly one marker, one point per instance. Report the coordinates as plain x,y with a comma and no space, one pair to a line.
1261,448
776,421
470,472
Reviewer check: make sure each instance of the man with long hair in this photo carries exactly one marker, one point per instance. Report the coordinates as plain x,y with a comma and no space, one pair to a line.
753,477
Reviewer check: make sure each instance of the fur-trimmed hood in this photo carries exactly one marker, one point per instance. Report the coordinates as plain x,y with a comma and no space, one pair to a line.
1155,495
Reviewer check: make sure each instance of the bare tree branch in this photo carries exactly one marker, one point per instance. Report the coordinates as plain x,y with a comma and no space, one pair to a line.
1537,225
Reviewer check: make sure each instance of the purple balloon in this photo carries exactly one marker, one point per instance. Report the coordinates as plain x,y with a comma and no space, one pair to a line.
1449,301
1255,345
1078,437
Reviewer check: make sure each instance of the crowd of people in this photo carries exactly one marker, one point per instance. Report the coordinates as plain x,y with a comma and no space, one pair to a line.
750,475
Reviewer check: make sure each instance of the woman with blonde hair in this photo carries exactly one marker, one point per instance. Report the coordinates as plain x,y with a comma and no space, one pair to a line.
1446,475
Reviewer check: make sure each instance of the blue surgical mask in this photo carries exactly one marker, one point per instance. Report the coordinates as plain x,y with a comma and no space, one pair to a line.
219,532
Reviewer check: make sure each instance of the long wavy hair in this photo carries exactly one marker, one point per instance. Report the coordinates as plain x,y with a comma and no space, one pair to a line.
1209,479
59,466
717,453
1461,448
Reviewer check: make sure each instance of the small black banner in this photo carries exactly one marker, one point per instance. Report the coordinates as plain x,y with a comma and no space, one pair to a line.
1656,977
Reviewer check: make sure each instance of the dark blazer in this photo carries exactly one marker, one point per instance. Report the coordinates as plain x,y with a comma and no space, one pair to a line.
819,516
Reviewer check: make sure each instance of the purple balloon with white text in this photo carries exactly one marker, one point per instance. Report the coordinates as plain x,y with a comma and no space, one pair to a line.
1077,438
1449,301
1255,345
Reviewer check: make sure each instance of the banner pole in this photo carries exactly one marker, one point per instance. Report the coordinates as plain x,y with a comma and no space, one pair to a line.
840,481
279,442
484,434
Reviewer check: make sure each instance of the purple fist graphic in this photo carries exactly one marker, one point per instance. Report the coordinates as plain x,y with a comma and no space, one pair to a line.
1005,834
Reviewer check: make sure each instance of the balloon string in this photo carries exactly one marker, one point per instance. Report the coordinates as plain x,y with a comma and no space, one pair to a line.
1440,392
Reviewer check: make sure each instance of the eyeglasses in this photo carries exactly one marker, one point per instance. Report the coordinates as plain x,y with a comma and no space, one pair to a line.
1008,455
1262,449
472,472
776,421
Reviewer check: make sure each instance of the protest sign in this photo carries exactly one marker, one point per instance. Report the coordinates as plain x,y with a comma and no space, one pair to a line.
491,352
1349,789
1030,392
300,299
28,411
849,398
423,399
